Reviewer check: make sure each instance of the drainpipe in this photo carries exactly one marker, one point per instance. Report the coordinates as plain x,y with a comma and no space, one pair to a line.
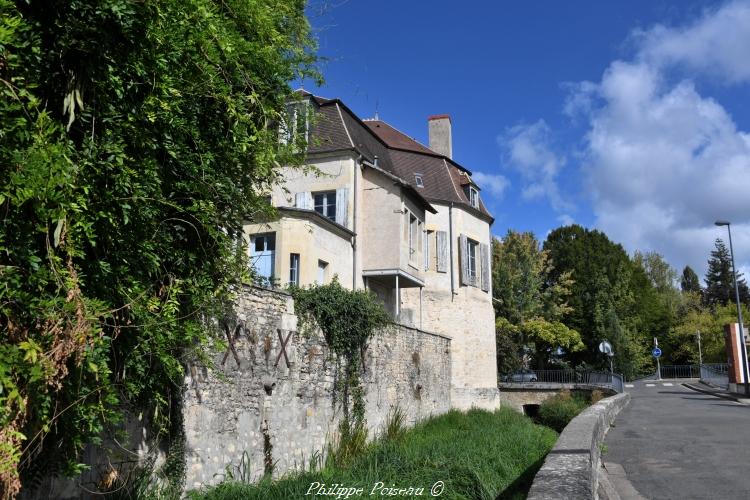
354,224
450,246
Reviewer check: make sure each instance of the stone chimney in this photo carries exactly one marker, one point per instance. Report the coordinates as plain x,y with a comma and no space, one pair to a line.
440,134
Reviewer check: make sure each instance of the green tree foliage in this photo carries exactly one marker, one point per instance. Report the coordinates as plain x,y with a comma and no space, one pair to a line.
689,281
135,137
611,297
681,345
529,303
522,273
719,279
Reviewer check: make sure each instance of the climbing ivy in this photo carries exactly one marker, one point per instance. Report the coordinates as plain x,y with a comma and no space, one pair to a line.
348,319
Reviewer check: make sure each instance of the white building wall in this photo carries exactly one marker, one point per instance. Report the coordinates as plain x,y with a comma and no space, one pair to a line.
465,315
325,173
313,242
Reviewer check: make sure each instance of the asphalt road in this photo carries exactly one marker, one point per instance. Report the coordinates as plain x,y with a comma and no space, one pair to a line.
673,442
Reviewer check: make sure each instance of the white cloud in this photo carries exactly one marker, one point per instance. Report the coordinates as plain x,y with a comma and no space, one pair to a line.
661,161
566,220
496,184
529,151
716,43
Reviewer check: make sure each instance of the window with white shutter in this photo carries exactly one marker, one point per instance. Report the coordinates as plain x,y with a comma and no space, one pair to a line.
485,264
342,205
441,249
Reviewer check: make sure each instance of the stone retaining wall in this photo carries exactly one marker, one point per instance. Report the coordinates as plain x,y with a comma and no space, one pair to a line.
265,405
257,410
572,469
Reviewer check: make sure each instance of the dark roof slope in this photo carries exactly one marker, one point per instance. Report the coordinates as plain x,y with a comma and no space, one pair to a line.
396,153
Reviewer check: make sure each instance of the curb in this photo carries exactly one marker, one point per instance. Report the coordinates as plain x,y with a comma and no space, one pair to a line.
712,393
572,469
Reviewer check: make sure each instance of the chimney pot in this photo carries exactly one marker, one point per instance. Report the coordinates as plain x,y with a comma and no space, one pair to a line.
441,140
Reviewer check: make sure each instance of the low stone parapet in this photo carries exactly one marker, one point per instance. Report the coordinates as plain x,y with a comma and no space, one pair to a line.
572,468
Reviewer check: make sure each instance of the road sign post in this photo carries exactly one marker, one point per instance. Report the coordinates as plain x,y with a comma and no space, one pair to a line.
606,348
656,353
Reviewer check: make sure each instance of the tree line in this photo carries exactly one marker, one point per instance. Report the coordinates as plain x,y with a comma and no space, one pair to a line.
555,302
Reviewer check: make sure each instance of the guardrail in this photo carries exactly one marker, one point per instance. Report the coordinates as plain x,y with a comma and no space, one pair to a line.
680,371
715,374
604,379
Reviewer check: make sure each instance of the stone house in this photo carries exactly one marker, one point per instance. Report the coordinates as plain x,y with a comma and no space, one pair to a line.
383,212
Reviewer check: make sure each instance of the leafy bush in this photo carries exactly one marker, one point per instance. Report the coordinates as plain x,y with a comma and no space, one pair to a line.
136,140
559,410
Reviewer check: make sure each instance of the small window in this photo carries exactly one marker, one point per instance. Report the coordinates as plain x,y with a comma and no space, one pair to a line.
294,127
426,250
473,197
413,228
325,204
263,254
294,269
473,250
418,180
322,271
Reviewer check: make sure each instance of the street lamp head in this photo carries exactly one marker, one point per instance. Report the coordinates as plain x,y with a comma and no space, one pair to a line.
722,222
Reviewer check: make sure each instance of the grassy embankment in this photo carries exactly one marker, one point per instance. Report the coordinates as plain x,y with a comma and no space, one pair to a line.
476,454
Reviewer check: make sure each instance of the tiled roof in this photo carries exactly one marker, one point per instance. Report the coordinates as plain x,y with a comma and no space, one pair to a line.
396,153
395,138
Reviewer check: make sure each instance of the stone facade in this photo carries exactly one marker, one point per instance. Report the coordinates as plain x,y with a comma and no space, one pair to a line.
411,227
253,410
261,411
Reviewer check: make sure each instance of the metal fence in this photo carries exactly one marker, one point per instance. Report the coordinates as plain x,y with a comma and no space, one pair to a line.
680,371
604,379
716,374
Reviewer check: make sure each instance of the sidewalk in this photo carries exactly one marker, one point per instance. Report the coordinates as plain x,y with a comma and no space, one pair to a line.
706,388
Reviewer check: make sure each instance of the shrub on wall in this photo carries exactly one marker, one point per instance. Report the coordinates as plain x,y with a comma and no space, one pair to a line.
348,319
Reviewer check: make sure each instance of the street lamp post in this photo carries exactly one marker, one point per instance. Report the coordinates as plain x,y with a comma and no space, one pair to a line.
739,308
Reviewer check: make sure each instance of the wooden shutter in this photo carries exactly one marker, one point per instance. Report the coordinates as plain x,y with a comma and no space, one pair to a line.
441,240
300,200
426,250
342,205
484,251
464,259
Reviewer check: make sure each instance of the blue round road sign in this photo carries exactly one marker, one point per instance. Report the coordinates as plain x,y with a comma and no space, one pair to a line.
656,352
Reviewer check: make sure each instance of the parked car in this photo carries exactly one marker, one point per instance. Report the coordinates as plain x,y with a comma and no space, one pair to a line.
522,375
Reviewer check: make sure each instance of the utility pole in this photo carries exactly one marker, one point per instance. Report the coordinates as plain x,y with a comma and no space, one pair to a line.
658,365
700,352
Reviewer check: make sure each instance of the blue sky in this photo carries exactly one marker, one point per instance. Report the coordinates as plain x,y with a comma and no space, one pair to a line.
630,116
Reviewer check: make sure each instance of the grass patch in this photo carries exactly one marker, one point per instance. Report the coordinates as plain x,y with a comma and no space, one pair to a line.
475,454
557,411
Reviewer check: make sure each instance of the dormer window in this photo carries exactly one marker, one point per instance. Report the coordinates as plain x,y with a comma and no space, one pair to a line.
474,197
473,194
294,126
418,180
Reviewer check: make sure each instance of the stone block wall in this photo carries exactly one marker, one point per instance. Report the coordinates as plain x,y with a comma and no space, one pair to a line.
254,410
257,410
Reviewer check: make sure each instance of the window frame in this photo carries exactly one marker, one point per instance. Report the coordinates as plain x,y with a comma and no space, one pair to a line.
296,112
327,205
294,268
322,267
472,249
473,197
418,180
